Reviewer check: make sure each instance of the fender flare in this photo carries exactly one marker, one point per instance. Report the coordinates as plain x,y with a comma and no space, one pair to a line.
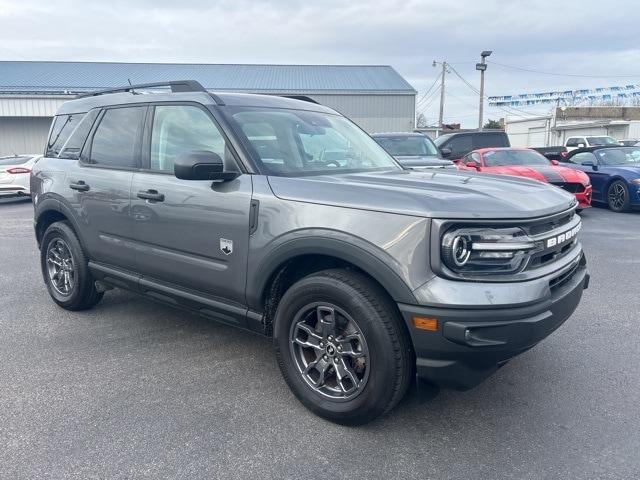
53,204
348,251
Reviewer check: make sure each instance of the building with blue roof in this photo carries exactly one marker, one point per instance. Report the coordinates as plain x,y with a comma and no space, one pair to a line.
374,96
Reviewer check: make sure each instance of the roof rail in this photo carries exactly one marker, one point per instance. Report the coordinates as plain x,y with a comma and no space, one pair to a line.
176,86
303,98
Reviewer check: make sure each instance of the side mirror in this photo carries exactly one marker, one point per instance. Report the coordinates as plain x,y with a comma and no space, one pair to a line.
555,162
446,151
471,164
201,165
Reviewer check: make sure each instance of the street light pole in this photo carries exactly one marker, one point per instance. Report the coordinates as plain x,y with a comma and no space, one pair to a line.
482,67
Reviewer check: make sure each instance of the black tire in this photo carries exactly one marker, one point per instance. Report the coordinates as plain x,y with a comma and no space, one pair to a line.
618,196
389,361
82,293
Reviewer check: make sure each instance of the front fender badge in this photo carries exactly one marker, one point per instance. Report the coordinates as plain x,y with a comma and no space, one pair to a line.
226,246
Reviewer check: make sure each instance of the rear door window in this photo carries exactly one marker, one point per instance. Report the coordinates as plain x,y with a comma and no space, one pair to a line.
116,141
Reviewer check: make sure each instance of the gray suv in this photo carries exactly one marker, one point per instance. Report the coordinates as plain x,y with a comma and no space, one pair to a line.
282,217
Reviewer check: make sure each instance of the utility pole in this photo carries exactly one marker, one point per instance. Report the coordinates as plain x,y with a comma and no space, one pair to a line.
441,117
482,66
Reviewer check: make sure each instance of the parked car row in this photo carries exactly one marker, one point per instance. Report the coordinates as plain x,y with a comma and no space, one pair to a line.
593,168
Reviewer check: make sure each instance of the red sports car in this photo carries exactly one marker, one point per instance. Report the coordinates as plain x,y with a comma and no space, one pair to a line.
524,162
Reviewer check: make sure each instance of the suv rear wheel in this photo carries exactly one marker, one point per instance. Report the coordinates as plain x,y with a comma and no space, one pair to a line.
341,346
65,270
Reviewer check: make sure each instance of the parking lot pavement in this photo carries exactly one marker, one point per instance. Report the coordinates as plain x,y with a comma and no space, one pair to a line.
136,389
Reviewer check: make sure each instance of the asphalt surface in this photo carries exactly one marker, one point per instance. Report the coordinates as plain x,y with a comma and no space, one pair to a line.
134,389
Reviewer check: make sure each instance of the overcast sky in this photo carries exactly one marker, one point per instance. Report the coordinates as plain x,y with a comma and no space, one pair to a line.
565,37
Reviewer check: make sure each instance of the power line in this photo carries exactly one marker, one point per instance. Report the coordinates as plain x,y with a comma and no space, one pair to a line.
504,109
426,107
580,75
429,89
429,100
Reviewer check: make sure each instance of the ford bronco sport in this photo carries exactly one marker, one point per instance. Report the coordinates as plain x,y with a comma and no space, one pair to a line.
280,216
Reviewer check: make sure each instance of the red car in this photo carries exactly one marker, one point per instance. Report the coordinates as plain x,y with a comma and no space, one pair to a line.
524,162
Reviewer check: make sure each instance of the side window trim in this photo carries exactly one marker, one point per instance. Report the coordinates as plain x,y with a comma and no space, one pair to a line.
85,156
148,130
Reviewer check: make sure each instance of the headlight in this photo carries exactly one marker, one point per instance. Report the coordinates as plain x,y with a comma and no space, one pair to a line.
477,251
636,181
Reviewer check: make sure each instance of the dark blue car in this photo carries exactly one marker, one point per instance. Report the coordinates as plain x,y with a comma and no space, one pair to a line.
614,172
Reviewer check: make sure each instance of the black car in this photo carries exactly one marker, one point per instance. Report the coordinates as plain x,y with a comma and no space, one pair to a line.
412,150
454,146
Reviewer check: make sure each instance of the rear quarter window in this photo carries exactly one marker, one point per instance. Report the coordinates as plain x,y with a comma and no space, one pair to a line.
62,128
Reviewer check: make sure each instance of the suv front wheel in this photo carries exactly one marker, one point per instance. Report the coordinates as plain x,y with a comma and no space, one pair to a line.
65,270
341,346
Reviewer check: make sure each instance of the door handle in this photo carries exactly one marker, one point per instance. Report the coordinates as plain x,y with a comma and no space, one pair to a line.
79,186
151,195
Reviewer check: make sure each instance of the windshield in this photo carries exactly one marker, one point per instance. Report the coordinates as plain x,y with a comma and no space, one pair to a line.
14,160
442,138
602,141
409,146
499,158
298,142
618,156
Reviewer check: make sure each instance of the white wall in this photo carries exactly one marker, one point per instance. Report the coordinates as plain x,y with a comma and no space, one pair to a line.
527,133
374,113
23,134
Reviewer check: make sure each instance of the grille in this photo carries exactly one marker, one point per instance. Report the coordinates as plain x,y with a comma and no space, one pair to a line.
560,280
548,224
547,229
570,187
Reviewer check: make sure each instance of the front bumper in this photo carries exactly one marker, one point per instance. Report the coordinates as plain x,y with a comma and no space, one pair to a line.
584,197
471,343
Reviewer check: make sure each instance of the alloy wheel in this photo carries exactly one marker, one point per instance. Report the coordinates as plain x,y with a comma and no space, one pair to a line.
617,196
330,351
61,267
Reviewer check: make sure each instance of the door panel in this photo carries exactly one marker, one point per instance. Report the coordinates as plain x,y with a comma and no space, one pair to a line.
99,184
197,237
193,234
102,212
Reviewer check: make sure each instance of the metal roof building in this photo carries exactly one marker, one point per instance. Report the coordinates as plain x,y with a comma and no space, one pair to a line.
374,96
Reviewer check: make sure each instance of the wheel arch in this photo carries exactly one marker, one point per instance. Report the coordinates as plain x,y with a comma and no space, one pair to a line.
50,211
297,258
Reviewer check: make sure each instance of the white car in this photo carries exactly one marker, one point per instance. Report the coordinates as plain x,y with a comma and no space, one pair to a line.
589,141
14,174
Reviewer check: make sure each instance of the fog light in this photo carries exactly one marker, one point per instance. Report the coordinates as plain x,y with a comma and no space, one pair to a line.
423,323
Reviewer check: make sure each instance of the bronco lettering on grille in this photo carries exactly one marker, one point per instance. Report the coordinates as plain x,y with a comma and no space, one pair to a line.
563,237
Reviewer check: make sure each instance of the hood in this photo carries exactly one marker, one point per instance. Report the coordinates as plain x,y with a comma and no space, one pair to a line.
426,161
542,173
428,193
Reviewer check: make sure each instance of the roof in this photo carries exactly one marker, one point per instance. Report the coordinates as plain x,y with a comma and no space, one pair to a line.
397,134
84,104
75,77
